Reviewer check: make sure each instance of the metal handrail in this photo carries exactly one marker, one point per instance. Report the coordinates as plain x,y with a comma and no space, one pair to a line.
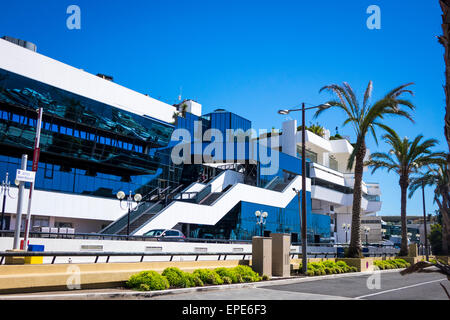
107,254
97,254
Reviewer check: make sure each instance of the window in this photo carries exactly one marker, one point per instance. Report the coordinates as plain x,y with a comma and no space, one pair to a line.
40,221
171,233
48,171
63,224
333,163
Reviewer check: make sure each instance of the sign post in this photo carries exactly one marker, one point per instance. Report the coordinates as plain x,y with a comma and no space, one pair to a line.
34,169
19,204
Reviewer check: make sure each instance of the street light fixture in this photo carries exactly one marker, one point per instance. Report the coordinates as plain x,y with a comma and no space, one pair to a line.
366,232
129,205
346,227
261,218
5,190
303,202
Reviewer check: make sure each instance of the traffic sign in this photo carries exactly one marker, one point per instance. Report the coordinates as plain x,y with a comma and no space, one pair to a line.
25,176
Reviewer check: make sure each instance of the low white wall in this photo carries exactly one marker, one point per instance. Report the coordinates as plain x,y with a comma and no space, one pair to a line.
77,245
56,204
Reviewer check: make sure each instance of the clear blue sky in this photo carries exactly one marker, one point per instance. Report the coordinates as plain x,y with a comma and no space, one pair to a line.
254,57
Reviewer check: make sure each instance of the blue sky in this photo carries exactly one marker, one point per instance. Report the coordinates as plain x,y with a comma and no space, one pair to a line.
254,57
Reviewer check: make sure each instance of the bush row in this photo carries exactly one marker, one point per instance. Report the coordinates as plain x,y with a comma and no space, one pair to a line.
391,264
327,267
173,277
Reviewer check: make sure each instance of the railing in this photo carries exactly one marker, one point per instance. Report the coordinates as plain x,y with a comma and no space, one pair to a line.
120,223
56,254
142,255
108,255
102,236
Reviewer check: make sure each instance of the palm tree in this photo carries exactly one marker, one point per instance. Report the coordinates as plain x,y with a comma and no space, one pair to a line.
444,40
436,176
364,118
404,158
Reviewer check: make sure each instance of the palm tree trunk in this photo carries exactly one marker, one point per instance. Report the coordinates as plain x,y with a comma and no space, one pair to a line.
404,188
445,223
355,238
444,40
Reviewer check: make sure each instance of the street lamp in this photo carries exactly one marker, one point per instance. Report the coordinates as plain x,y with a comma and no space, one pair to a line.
261,218
425,223
5,190
303,205
366,232
346,227
130,199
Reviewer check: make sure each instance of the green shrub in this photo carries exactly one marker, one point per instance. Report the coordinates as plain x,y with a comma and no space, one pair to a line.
248,279
353,269
317,272
265,277
227,280
178,278
328,270
148,280
309,272
208,276
227,272
329,264
246,272
195,280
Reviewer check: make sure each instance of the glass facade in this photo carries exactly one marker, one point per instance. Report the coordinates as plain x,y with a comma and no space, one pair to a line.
223,120
240,222
87,147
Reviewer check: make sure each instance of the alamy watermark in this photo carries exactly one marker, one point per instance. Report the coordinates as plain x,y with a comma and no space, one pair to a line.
237,146
374,20
74,280
74,20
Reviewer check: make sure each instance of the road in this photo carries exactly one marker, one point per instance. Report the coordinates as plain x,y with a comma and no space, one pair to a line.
391,286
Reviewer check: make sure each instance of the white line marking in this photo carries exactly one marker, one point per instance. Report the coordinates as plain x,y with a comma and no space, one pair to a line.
397,289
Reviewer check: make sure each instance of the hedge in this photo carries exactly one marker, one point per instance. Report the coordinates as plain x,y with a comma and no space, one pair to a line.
327,267
391,264
173,277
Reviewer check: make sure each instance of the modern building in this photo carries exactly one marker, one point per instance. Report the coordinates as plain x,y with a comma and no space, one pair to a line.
331,181
99,138
391,227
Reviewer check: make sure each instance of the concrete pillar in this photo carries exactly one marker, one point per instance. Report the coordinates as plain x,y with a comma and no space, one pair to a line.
412,252
281,263
262,255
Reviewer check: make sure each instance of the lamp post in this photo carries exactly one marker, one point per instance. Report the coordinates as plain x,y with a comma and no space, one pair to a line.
346,227
425,223
4,189
129,205
261,218
303,205
366,232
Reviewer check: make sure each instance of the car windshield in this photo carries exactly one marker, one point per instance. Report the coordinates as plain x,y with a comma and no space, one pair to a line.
154,233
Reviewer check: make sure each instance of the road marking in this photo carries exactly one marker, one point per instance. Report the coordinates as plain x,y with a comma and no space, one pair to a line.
397,289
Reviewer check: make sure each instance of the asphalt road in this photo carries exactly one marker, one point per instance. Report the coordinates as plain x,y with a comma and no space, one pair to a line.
378,286
392,286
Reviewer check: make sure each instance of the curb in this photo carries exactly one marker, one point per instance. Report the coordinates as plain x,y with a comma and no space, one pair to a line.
149,294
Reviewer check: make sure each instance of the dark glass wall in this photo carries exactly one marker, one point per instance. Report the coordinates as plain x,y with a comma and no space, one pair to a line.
240,222
87,147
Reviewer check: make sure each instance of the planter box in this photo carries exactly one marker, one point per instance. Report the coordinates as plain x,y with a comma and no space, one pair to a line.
362,264
445,259
14,260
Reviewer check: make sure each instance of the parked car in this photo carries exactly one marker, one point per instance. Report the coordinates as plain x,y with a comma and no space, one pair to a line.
166,234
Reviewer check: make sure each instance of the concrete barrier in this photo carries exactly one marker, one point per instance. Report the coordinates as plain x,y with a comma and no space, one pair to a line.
33,278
